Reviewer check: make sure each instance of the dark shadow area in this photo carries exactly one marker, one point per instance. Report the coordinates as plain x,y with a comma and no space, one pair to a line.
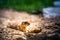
20,39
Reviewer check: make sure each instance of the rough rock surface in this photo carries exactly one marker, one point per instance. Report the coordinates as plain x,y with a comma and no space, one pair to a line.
50,28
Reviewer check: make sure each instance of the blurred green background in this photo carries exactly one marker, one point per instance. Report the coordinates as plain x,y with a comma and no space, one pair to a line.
26,5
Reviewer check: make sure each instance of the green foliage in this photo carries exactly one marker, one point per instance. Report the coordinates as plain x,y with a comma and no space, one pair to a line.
26,5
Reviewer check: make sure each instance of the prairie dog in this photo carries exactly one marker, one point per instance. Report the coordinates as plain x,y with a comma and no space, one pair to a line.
23,26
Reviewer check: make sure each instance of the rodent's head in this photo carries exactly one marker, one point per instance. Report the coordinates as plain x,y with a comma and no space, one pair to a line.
25,23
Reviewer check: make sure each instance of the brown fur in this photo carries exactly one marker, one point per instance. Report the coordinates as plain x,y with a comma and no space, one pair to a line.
23,26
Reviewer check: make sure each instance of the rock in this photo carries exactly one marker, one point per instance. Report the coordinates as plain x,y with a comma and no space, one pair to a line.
39,28
51,12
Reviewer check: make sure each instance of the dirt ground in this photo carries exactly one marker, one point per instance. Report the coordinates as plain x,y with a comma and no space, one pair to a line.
13,26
